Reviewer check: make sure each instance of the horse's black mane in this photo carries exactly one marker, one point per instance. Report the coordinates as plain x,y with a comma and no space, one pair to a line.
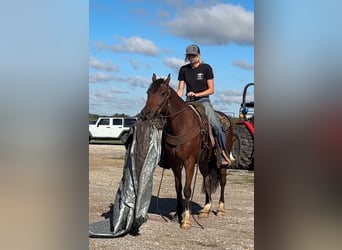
155,85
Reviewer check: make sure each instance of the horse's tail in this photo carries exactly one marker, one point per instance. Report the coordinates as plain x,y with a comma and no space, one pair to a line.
214,177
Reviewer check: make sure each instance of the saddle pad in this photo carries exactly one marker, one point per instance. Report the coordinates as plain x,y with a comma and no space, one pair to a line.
224,120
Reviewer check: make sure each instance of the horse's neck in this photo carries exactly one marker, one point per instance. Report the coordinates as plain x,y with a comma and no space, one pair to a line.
179,112
176,103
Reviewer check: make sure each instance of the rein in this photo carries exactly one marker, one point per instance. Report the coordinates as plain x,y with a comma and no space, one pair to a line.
166,102
176,113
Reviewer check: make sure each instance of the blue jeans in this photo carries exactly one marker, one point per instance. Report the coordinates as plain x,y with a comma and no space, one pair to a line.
214,121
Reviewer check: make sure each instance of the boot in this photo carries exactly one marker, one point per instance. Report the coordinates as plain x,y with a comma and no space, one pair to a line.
225,158
220,140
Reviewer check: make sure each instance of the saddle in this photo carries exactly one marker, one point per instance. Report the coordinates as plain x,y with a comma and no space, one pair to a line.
223,119
208,140
202,129
225,122
200,111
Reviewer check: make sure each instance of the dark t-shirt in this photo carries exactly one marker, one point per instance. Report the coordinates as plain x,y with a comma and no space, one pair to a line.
195,79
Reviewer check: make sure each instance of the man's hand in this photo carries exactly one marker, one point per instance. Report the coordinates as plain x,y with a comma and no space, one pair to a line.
192,94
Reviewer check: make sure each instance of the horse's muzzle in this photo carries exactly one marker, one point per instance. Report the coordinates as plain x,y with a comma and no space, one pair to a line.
146,114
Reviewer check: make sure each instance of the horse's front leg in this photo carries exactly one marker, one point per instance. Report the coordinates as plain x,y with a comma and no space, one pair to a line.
177,172
223,180
189,172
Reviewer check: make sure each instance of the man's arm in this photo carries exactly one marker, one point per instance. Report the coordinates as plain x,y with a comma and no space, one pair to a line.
180,89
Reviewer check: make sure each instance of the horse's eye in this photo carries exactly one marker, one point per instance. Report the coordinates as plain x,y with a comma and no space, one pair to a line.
163,94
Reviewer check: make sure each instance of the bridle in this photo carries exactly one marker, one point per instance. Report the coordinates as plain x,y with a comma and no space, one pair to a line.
164,105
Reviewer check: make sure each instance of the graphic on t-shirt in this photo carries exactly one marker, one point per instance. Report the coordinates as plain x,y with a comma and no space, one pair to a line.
200,76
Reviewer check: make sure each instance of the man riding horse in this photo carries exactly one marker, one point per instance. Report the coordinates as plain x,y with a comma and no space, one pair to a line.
198,78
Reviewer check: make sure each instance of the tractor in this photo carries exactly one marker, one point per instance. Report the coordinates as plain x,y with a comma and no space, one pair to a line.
243,134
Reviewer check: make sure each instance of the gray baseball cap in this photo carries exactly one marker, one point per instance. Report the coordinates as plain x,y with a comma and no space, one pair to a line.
193,49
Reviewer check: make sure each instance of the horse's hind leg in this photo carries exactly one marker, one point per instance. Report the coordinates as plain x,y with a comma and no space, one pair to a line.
223,171
205,211
223,181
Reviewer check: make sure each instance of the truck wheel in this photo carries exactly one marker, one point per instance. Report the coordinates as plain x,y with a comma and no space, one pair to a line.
243,148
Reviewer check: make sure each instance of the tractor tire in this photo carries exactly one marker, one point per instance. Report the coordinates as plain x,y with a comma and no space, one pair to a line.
243,148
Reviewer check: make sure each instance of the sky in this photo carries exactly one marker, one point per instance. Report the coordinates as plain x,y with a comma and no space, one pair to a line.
129,40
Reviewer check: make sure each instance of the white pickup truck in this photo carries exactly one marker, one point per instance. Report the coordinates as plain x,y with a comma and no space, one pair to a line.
111,128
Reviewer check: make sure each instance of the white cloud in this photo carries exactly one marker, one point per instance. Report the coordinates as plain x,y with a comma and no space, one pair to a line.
174,63
244,65
135,81
228,97
219,24
108,103
100,77
132,44
103,96
139,81
100,65
225,100
118,91
134,64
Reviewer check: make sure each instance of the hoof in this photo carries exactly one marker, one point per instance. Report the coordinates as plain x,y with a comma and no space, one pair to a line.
220,213
185,225
203,215
220,210
186,222
205,211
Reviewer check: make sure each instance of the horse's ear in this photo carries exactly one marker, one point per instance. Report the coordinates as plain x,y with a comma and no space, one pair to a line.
154,77
167,80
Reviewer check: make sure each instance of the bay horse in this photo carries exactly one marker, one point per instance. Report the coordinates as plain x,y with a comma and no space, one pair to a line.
187,143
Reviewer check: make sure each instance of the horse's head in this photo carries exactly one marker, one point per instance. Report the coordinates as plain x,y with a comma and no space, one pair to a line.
157,97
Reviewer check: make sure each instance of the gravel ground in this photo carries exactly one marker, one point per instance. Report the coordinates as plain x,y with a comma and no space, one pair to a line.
233,231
